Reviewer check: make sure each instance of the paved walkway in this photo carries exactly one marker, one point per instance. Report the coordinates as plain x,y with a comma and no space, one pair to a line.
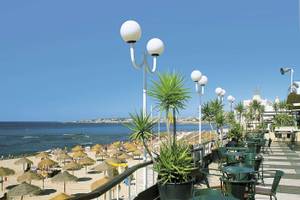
283,158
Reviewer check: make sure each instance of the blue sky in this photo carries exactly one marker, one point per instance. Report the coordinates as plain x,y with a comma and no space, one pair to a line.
65,60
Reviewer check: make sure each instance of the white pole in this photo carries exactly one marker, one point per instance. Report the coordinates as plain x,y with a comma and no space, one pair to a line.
145,114
292,80
200,115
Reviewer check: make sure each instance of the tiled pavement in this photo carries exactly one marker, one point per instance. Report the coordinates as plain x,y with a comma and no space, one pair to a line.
283,158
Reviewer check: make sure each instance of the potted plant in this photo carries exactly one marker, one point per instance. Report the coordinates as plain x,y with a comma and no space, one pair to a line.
174,161
174,166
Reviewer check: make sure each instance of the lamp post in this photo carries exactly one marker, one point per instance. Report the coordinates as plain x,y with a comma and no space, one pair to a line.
231,99
200,82
131,33
285,70
220,93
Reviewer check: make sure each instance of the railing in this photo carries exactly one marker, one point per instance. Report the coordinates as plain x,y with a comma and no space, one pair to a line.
113,183
202,150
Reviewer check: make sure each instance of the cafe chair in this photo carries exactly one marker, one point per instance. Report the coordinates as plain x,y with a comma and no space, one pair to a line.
271,191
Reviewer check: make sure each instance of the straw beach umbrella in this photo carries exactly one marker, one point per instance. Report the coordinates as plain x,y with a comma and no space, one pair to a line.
77,148
61,196
30,176
99,183
103,167
46,163
63,157
79,154
64,177
43,155
87,161
23,189
23,161
101,154
3,173
97,147
72,166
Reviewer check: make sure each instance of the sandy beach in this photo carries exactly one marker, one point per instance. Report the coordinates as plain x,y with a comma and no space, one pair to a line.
85,179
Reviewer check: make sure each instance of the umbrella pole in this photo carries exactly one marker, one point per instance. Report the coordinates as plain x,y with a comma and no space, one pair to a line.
2,183
43,183
64,187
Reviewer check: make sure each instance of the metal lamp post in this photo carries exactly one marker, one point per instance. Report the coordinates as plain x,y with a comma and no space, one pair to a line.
200,82
220,93
131,33
285,70
231,99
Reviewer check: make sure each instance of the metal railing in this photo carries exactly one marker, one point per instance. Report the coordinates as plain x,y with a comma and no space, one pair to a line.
203,150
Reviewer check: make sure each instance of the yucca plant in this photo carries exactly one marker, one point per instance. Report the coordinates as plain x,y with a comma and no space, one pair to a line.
141,127
170,94
174,163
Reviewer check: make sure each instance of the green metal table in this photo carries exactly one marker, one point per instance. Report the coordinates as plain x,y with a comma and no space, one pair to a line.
238,172
212,194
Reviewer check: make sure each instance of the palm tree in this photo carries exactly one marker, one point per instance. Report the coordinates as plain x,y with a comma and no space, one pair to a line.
220,121
240,109
207,114
170,94
141,127
282,105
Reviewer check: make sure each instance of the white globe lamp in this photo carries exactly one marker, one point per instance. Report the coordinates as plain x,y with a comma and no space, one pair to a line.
130,31
196,75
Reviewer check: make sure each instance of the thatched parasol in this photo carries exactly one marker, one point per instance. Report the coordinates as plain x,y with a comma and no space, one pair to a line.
46,163
97,147
64,178
23,161
61,196
23,189
29,176
87,161
99,183
102,167
101,154
137,152
5,172
72,166
79,154
124,156
63,157
77,148
43,155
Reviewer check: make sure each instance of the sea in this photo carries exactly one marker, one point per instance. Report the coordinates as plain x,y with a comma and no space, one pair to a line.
23,138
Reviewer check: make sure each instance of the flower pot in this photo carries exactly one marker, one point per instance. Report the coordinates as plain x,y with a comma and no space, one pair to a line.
176,191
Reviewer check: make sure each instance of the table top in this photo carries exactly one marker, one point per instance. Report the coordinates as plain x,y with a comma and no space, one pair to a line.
235,153
211,194
237,170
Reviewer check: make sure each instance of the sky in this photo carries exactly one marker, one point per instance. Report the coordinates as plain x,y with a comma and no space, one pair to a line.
65,60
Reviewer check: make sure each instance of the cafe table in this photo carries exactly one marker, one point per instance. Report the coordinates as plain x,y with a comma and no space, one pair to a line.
238,172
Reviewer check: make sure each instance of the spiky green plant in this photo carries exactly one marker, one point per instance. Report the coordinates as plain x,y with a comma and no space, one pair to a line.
240,109
174,163
141,127
170,94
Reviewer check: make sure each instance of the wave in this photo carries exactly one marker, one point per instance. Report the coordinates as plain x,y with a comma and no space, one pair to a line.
30,137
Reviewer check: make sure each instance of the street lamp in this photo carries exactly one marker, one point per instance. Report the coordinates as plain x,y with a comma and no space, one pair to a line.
285,70
200,82
131,33
220,93
231,99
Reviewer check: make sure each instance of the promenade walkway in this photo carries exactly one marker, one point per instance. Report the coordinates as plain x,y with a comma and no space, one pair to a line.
283,158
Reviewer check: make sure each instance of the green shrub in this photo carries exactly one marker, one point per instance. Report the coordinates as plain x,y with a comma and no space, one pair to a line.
175,162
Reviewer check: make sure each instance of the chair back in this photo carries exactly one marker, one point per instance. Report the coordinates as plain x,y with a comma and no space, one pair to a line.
221,152
276,180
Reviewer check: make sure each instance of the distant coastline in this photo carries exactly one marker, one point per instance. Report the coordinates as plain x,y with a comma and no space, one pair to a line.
187,120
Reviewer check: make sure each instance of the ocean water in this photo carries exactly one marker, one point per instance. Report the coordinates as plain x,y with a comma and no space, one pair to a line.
17,138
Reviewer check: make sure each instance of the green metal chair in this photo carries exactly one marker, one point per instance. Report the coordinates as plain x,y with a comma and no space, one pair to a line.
271,191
